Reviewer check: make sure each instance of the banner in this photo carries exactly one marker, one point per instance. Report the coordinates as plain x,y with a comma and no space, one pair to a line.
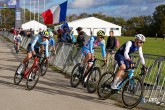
9,4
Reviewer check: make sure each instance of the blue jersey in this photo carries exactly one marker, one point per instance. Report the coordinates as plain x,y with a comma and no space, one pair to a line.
89,45
37,41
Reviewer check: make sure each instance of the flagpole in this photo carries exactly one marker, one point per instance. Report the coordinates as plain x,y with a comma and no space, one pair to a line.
38,14
44,11
30,10
34,9
24,12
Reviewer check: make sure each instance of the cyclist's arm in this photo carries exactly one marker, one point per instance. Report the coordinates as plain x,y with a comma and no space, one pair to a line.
47,48
127,49
102,44
33,44
141,56
91,45
14,39
53,44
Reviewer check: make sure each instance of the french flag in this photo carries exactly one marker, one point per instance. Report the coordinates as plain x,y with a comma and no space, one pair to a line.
55,14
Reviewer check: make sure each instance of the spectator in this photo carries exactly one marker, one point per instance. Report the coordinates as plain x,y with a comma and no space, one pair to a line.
110,47
22,32
79,43
80,37
72,36
66,36
59,35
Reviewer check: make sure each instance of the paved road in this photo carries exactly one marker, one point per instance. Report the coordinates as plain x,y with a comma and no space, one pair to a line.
53,91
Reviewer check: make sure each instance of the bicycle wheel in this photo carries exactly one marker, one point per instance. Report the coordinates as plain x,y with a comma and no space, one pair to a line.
33,78
104,85
93,79
18,77
75,76
44,67
16,48
132,92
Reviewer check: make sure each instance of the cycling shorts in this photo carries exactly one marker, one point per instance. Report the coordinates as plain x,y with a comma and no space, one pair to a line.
121,60
30,50
85,51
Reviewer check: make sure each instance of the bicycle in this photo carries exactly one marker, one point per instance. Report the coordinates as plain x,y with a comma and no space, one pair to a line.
130,87
44,63
31,74
16,47
91,76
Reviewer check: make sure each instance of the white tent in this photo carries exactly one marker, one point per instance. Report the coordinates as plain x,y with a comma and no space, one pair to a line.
34,25
93,24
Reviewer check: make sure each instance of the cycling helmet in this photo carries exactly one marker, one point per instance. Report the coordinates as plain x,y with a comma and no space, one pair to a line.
45,34
140,37
101,33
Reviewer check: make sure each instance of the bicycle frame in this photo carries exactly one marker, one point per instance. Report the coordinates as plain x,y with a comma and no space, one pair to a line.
27,72
93,65
129,76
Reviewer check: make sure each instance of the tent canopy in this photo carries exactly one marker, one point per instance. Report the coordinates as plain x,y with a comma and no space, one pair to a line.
92,25
34,25
92,22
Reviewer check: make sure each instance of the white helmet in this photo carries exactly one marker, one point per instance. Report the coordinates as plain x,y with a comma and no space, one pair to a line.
140,37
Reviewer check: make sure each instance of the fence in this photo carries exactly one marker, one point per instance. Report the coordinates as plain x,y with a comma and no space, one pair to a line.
67,56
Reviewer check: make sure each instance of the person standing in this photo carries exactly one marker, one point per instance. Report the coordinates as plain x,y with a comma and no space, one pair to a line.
79,43
110,48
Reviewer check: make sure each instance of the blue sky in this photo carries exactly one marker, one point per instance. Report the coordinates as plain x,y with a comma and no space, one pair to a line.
114,8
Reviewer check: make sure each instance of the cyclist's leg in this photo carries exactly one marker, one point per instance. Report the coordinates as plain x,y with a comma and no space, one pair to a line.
25,60
120,60
17,46
87,55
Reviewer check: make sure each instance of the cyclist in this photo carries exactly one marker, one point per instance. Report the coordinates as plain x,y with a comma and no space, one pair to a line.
17,40
88,50
51,41
123,59
34,48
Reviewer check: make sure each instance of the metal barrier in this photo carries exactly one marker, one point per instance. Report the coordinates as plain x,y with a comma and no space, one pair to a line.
67,56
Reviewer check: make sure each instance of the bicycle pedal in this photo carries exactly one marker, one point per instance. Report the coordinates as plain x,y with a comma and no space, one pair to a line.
114,91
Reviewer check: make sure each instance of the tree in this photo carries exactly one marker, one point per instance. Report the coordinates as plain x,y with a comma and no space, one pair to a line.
159,19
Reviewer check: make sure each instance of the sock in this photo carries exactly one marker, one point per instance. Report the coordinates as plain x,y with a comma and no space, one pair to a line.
116,81
120,80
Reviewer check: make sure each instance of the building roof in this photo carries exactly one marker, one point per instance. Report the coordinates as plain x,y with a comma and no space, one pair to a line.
92,22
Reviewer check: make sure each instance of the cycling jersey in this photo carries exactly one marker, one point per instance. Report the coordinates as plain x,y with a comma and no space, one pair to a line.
128,48
89,45
17,38
37,42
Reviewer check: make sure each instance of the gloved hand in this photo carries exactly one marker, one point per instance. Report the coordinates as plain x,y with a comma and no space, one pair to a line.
144,68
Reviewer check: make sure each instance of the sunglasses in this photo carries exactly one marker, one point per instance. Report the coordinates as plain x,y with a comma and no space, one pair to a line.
141,42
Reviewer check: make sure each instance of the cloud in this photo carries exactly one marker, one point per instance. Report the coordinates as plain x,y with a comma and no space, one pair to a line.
83,4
